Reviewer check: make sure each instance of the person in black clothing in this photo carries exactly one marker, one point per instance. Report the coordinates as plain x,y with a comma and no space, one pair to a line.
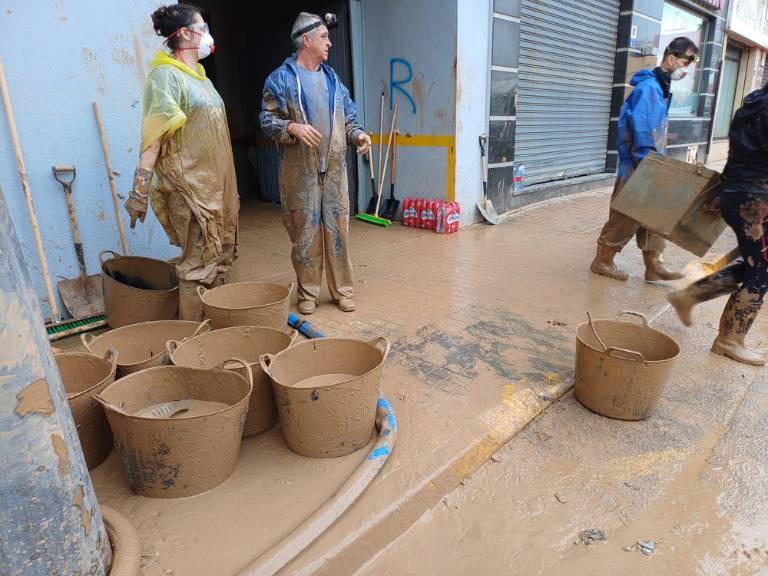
744,206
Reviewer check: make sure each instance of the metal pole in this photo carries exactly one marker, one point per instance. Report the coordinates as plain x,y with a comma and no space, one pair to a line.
50,522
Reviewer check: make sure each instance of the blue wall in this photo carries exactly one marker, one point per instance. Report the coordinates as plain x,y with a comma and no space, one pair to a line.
60,56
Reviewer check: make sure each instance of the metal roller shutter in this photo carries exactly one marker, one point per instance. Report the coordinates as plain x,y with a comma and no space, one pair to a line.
567,52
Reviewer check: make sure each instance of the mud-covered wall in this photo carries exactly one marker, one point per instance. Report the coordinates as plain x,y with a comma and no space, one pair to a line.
409,52
60,56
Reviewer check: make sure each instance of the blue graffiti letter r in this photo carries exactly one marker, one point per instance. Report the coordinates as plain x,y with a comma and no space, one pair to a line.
398,84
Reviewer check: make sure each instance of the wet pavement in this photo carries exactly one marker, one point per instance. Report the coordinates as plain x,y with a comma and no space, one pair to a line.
482,325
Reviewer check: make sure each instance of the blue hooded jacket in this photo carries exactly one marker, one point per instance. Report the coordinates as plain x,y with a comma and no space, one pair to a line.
284,102
642,125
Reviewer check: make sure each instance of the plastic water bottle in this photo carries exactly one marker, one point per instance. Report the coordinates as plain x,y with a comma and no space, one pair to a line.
518,174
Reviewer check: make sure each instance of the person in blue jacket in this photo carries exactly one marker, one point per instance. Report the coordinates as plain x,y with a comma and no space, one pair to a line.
309,113
642,128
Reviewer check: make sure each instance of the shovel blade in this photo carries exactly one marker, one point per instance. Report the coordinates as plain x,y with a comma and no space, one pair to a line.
488,211
390,209
82,297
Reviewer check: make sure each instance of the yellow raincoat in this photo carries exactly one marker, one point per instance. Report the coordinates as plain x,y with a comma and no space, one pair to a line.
194,189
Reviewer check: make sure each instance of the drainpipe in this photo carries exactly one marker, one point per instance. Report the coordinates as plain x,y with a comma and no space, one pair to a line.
50,522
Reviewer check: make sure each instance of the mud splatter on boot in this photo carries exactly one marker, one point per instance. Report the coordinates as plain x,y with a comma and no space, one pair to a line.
739,314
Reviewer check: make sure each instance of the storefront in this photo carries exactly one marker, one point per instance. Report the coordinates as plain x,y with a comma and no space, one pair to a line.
744,65
647,28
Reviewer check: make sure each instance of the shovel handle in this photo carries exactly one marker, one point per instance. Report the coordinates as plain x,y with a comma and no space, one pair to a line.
101,255
613,351
636,314
87,339
382,339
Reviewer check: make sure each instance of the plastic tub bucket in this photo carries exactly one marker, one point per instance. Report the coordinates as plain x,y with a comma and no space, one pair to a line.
85,375
249,343
177,429
142,346
625,378
326,392
138,289
247,304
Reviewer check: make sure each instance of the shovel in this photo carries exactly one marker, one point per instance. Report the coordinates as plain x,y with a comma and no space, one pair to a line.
391,205
82,296
485,205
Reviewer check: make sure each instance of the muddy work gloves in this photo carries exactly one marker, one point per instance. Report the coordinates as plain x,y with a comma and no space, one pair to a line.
138,199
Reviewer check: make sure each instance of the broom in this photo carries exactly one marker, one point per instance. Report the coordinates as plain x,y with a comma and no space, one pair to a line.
375,218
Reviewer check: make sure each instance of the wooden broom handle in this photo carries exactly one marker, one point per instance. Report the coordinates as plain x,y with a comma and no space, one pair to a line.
111,177
28,196
386,159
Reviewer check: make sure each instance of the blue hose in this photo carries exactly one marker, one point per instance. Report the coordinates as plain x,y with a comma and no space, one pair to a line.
304,326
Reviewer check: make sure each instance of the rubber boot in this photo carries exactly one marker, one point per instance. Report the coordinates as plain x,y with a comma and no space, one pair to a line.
739,314
708,288
655,269
190,306
603,263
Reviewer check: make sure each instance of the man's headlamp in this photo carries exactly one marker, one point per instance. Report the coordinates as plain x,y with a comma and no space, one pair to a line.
329,21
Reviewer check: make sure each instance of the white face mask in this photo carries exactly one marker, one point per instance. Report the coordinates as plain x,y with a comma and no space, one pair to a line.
206,47
679,74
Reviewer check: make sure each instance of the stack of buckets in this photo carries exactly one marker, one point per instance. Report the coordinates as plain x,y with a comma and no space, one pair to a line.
176,397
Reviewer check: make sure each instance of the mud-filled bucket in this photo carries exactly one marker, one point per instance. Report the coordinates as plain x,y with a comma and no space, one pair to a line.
212,349
138,289
326,392
622,367
83,376
177,430
141,346
247,304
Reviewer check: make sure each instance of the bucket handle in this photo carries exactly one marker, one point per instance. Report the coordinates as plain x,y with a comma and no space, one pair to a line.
266,361
293,334
613,351
171,347
111,357
291,287
594,331
376,341
640,315
245,364
114,254
201,290
87,339
198,330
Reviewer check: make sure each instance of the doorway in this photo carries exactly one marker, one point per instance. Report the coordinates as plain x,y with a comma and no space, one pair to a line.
252,39
727,101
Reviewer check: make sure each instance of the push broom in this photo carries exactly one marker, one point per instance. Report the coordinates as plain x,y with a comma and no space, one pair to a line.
375,218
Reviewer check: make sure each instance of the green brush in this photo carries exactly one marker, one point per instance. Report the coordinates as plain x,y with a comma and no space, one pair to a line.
375,218
64,329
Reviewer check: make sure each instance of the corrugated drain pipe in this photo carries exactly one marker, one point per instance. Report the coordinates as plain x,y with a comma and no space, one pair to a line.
277,557
126,549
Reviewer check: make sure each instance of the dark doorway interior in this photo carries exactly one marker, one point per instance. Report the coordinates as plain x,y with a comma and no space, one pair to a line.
252,39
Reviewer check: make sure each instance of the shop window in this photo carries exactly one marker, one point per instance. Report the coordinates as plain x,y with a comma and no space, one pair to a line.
677,21
506,42
503,93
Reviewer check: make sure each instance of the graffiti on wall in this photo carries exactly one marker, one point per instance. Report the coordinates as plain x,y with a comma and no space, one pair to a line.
400,76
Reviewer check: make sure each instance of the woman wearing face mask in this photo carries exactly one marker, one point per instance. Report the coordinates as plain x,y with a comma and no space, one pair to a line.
186,167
